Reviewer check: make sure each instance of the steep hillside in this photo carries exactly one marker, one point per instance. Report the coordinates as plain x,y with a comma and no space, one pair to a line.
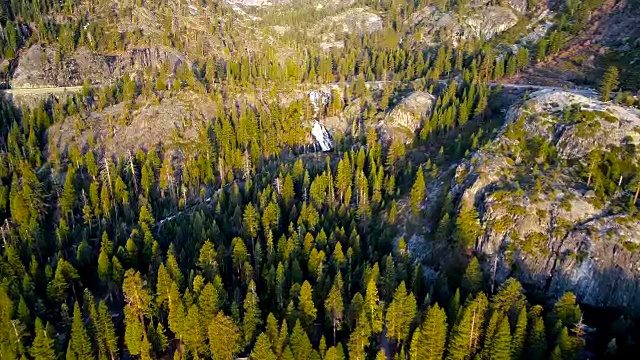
105,42
588,38
555,198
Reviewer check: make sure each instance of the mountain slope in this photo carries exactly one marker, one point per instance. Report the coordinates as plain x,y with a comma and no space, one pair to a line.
554,195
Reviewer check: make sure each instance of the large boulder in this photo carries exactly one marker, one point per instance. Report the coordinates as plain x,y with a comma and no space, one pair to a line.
406,117
487,22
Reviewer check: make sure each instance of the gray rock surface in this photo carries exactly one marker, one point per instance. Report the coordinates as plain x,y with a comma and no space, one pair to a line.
41,67
140,58
487,22
44,67
482,22
351,21
407,116
543,224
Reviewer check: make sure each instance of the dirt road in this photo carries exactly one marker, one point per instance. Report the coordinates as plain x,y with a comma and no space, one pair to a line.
588,92
72,89
41,90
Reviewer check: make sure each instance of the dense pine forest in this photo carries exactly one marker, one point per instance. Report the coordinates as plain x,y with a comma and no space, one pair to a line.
292,255
244,243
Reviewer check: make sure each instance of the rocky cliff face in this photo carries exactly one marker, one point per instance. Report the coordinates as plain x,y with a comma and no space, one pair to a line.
330,30
44,66
482,22
139,59
553,195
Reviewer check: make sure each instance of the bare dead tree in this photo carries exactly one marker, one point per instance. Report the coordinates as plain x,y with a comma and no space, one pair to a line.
132,168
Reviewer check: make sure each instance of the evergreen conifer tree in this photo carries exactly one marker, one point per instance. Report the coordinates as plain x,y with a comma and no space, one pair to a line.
400,314
519,335
609,83
43,347
418,192
262,349
467,333
306,306
429,339
251,319
300,344
501,342
334,306
536,345
224,337
79,347
372,308
472,279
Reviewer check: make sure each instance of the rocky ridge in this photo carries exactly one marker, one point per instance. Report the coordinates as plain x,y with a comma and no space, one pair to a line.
173,121
539,217
479,23
400,122
352,21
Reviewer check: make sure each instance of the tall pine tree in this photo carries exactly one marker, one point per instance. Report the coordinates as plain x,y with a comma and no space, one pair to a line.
418,192
43,347
79,347
334,306
429,339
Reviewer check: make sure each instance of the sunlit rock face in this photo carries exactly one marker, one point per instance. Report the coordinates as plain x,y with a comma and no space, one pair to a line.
538,218
406,117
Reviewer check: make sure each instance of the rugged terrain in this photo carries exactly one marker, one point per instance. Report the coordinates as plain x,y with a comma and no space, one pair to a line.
610,37
319,179
148,36
551,194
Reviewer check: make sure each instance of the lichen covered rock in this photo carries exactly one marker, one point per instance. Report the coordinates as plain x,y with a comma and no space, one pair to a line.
554,195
